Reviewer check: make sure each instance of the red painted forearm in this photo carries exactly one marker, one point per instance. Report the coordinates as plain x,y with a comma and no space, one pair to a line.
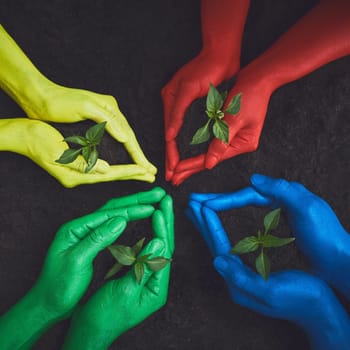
222,26
321,36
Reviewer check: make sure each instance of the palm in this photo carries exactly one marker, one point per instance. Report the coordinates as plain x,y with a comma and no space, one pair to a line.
189,83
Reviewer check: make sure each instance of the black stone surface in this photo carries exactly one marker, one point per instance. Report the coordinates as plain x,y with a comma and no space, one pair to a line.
130,49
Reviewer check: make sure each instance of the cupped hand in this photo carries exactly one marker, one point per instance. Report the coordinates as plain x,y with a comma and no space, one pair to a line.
317,229
189,83
244,129
68,105
68,269
318,232
43,144
123,303
290,295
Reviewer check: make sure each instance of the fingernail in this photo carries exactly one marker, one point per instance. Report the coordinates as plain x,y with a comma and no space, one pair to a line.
211,161
168,175
257,179
220,265
102,166
156,245
170,134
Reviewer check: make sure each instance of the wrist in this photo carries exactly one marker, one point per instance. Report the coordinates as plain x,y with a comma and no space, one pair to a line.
225,60
227,65
25,322
31,94
340,265
86,336
328,327
19,78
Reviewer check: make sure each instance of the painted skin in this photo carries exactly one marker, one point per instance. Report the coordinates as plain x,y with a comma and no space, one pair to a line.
43,100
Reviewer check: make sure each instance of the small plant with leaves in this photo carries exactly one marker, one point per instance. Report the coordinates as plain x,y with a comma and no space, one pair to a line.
215,101
127,256
88,149
262,241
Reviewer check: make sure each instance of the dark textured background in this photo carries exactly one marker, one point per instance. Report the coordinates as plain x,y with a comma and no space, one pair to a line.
130,49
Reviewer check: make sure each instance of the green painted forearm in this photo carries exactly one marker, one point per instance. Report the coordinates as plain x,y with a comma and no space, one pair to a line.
19,78
25,322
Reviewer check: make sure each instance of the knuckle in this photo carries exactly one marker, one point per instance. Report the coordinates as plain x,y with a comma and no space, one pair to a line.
282,185
312,204
96,236
164,92
254,145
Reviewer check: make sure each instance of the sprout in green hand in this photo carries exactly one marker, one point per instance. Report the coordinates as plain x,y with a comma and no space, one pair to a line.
215,101
88,149
265,240
127,256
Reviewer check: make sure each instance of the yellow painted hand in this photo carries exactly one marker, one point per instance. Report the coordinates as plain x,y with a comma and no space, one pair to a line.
42,99
43,144
67,105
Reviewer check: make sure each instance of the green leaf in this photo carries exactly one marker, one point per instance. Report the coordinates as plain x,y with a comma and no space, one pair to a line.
138,246
270,241
86,151
214,100
245,245
271,220
79,140
235,105
220,130
202,134
139,270
263,265
68,156
143,258
113,270
95,133
93,157
123,254
157,263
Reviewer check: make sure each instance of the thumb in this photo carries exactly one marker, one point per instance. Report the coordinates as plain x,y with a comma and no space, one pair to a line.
101,237
224,265
278,189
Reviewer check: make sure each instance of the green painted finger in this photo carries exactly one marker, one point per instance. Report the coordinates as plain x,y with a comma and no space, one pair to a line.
148,197
100,237
166,206
135,212
155,247
82,226
158,284
161,231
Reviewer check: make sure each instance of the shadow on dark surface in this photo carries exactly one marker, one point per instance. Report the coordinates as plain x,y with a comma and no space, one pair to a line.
130,50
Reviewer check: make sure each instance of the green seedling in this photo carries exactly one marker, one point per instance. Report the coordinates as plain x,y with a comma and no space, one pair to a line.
88,149
127,256
262,241
215,101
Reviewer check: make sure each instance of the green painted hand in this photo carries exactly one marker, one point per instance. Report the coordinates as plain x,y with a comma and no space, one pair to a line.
68,268
123,303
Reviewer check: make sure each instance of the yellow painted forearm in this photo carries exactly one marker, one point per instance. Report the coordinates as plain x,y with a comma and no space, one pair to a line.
19,78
